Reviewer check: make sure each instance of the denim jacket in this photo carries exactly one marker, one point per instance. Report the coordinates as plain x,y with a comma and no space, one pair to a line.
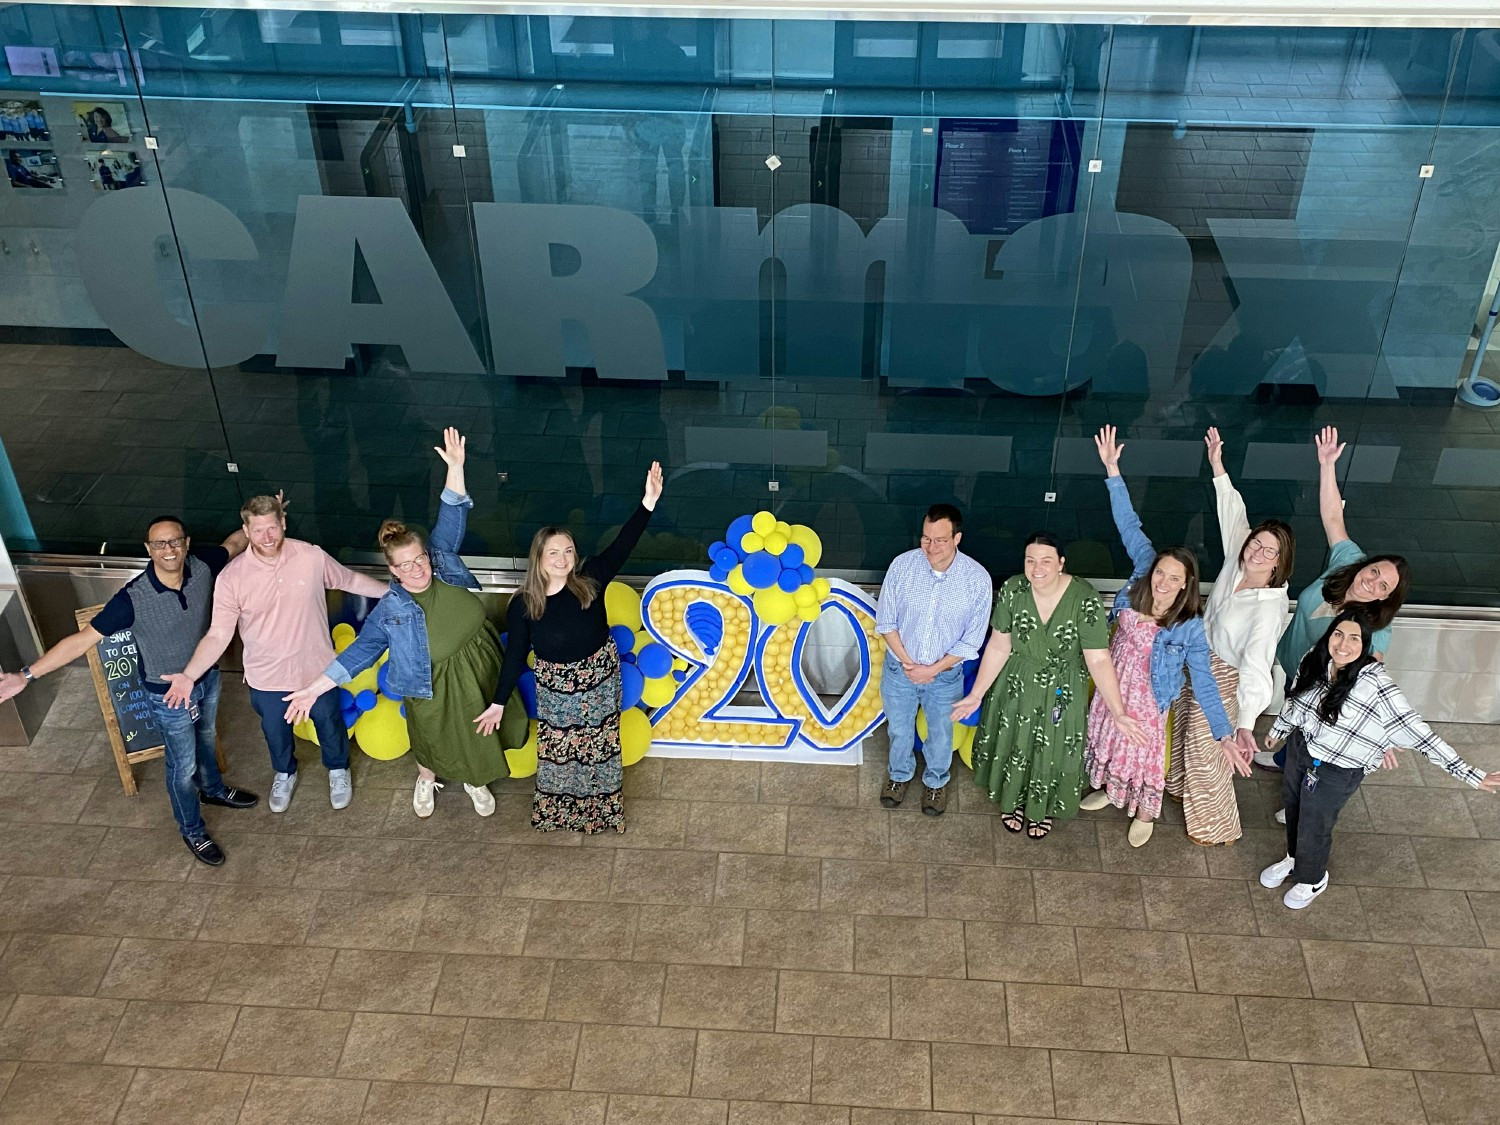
397,621
1176,646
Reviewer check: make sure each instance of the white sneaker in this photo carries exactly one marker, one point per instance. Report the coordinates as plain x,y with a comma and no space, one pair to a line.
423,797
340,789
484,800
1280,816
281,791
1266,760
1277,873
1094,801
1303,893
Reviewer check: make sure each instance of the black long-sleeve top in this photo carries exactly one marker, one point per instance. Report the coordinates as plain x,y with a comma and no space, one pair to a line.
566,632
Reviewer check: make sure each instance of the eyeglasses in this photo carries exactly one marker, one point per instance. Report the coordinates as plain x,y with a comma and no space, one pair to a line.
166,544
1255,548
930,541
410,565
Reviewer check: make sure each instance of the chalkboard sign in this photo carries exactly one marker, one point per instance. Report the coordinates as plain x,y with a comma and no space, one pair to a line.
116,666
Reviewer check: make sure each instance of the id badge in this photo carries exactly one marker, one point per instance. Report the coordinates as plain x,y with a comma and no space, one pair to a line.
1310,779
192,712
1057,709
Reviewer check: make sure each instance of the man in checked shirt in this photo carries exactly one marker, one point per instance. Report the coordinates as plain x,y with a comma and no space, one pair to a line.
933,611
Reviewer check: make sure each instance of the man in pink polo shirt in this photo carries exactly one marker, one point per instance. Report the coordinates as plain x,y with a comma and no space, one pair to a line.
274,592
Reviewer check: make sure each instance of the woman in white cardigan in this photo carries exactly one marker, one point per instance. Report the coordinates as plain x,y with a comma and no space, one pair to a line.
1244,618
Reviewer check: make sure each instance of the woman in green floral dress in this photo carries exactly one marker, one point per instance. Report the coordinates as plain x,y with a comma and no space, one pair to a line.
1050,635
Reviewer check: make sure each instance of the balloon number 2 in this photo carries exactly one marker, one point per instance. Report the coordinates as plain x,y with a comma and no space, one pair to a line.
718,632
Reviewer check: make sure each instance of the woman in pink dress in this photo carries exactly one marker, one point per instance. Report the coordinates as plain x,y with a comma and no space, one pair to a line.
1158,635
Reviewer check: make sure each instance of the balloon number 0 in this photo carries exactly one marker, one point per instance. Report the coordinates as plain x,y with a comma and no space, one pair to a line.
719,634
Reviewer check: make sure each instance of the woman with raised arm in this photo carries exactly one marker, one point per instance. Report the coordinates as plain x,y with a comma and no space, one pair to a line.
1243,620
559,614
445,654
1342,712
1049,636
1374,584
1159,636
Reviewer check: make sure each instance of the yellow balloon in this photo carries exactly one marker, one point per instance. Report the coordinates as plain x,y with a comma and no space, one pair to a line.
751,542
737,582
822,587
622,605
963,742
642,639
775,606
804,597
680,665
810,612
659,692
384,656
343,636
806,538
784,528
764,523
775,542
381,732
306,730
368,680
922,724
522,759
635,736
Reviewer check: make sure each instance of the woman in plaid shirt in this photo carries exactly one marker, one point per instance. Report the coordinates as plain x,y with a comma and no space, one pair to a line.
1342,713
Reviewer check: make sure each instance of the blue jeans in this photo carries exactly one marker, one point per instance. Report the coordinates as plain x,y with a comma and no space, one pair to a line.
901,698
333,739
191,751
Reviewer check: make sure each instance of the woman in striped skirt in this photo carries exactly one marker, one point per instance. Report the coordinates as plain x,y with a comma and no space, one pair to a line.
1243,619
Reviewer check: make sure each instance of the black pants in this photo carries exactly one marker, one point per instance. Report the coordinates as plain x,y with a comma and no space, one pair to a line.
1310,817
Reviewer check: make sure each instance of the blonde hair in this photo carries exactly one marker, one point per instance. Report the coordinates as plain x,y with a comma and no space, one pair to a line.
534,585
261,506
393,534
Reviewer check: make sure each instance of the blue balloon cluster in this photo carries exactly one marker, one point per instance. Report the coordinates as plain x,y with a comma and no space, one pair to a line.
362,699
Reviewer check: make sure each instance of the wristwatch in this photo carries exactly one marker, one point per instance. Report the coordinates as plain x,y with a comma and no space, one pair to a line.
26,671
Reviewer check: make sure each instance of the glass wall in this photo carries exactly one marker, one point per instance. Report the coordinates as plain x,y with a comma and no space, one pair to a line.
840,269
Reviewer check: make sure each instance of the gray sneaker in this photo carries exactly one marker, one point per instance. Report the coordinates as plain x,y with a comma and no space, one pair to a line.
281,791
340,789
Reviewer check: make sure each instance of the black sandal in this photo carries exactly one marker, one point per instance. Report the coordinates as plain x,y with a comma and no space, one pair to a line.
1037,829
1013,821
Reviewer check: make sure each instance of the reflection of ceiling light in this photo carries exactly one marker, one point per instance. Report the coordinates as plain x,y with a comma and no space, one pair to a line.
926,128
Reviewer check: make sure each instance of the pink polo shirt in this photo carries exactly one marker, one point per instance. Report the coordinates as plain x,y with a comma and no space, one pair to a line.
281,611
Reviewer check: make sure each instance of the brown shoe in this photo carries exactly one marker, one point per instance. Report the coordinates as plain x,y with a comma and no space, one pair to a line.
893,793
935,801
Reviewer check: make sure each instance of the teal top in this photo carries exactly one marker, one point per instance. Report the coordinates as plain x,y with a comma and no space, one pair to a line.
1312,615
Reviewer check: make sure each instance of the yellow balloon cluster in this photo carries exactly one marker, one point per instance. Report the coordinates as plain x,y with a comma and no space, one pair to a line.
522,759
963,737
622,606
381,733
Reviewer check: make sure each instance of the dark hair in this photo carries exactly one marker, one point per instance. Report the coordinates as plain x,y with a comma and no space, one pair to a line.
1286,548
393,534
1042,539
104,113
1313,671
1378,614
1189,601
182,527
945,512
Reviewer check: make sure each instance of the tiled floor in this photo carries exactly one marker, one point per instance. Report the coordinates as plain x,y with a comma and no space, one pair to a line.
765,946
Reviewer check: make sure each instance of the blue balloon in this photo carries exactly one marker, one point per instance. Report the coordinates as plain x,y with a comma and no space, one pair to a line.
403,710
761,569
789,580
628,658
727,558
654,660
791,558
346,699
632,683
806,572
715,547
366,700
622,636
349,717
737,531
382,677
718,573
706,624
680,676
972,720
526,685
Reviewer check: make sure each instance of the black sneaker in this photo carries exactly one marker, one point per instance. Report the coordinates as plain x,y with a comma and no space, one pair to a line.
232,799
205,850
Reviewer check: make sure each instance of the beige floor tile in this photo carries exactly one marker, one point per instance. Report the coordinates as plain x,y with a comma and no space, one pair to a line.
369,980
1458,1099
1486,908
1368,859
46,798
1072,845
980,893
1363,970
1419,812
1459,865
713,827
643,780
51,850
1168,854
635,1109
1338,916
1074,898
617,992
1460,976
1134,959
1302,1031
156,1096
1418,916
799,783
786,1113
298,1041
61,1029
472,924
67,1092
1248,966
67,964
288,977
401,1048
1059,1015
357,920
687,779
1199,906
164,1033
1215,1092
45,905
833,1004
669,878
950,838
838,833
1182,1023
752,1066
767,882
143,969
506,987
253,859
635,1060
1251,854
925,947
303,1101
884,1073
1416,1037
859,886
603,930
540,872
336,863
966,1078
957,1011
651,824
1489,1030
1021,952
270,915
722,997
1338,1095
1105,1087
861,1116
446,867
525,1053
690,935
555,1107
156,910
419,1103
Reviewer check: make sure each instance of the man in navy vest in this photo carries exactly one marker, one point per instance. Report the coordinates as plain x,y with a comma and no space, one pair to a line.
167,609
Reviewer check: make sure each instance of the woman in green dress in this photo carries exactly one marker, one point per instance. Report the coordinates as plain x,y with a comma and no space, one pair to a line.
445,654
1050,635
